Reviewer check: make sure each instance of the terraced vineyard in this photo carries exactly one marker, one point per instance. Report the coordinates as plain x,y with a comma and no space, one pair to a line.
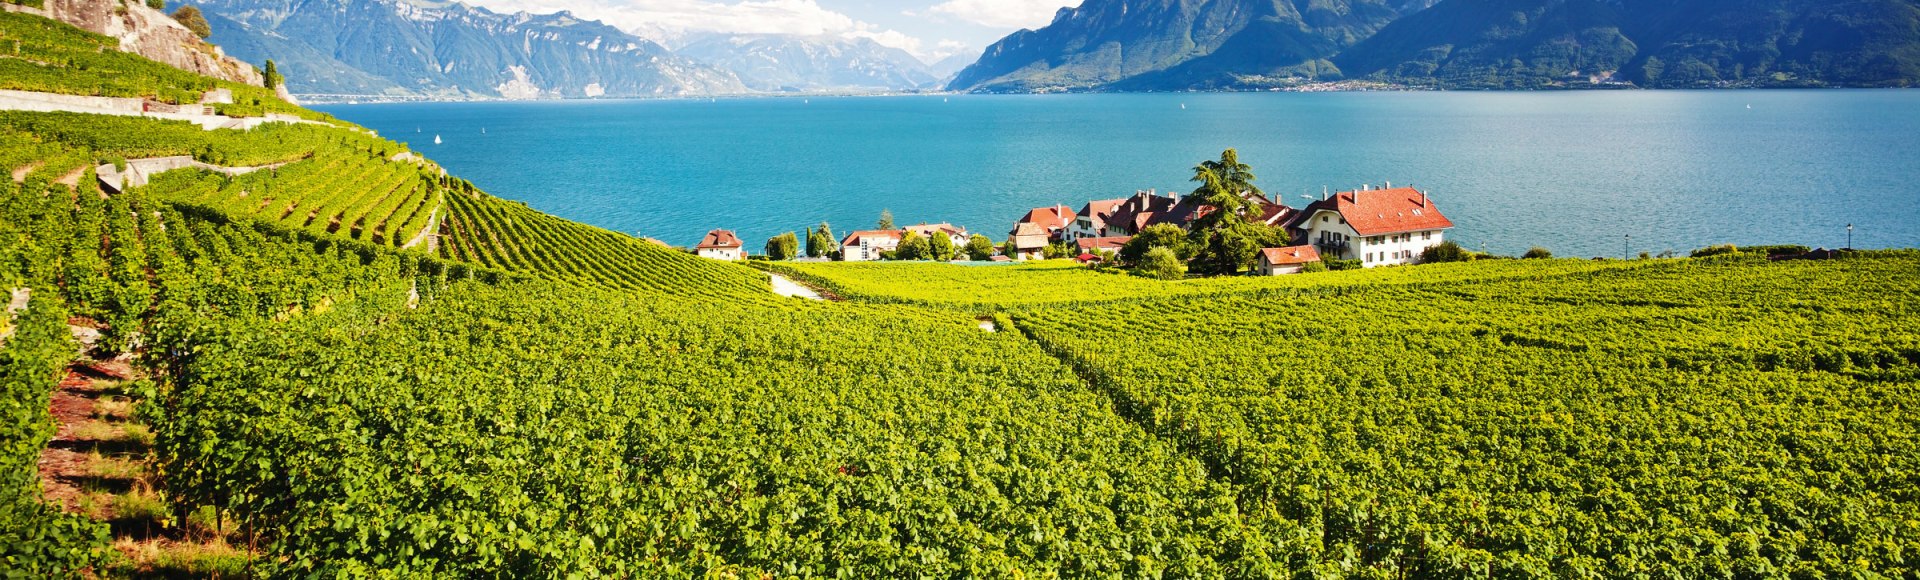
42,55
497,233
311,178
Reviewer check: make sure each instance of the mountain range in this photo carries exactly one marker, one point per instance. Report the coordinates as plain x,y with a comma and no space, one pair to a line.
792,63
451,50
1117,45
444,49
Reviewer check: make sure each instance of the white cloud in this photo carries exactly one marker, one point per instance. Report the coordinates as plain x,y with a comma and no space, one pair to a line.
667,21
1001,13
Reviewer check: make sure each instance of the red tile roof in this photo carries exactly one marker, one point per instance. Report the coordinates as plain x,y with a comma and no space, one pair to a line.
854,238
719,239
1377,212
1135,213
1290,255
1097,211
1106,243
928,229
1049,218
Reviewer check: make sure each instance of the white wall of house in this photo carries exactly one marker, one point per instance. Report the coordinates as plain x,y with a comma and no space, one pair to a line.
867,249
1325,231
1395,249
1272,270
1082,227
721,253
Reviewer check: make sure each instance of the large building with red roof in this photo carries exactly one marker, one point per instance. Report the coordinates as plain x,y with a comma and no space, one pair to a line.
1052,219
1378,227
1091,220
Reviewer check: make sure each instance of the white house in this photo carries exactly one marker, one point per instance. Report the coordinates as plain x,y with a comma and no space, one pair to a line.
1288,260
721,245
1378,227
867,245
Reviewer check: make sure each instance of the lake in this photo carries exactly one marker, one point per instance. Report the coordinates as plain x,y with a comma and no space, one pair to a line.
1575,172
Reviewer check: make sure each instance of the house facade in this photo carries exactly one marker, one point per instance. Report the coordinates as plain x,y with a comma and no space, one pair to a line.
1097,245
1027,242
1288,260
867,245
1091,220
1136,213
721,245
1378,227
1053,221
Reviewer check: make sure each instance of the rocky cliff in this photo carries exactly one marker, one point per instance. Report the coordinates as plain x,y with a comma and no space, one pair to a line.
152,34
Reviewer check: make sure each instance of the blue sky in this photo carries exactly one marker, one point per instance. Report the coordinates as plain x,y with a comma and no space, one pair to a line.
930,29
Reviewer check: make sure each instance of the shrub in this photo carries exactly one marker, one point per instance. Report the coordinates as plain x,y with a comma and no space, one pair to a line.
1161,264
1538,253
1776,250
1444,252
1720,250
1337,264
191,18
1311,267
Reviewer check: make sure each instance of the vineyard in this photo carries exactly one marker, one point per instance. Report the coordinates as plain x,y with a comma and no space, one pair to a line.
520,395
1681,418
1057,283
507,235
313,179
42,55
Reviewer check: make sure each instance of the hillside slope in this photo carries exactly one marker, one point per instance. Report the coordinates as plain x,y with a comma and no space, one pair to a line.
1251,44
1174,44
791,63
1702,43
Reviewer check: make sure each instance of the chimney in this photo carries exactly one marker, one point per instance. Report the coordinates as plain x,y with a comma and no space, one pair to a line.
1389,184
1423,199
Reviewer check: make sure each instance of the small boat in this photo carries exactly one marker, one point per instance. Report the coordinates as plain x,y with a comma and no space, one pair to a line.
1749,106
483,130
1183,106
436,139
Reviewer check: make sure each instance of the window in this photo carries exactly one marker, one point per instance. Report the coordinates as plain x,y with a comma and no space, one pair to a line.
1369,256
1426,235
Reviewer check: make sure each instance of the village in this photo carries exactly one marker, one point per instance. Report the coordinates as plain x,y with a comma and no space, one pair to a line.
1366,227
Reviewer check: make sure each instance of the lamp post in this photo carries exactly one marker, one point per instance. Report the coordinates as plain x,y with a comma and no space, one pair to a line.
1849,236
1626,248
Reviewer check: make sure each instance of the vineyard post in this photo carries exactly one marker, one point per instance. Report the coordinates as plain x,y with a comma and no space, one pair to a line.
1626,247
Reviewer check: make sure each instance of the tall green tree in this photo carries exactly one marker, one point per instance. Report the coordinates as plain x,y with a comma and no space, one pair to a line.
1234,176
820,241
783,247
1228,238
191,18
886,219
913,246
272,74
979,248
941,247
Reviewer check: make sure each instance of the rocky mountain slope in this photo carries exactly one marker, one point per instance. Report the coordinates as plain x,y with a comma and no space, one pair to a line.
1650,43
452,50
149,33
1252,44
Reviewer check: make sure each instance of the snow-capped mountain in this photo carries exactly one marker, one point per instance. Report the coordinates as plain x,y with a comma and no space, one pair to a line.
790,63
448,49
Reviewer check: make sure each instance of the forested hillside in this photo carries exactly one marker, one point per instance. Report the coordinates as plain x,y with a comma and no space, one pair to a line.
287,387
1512,44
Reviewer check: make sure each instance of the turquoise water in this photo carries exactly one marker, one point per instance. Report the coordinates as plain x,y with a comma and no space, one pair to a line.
1572,171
